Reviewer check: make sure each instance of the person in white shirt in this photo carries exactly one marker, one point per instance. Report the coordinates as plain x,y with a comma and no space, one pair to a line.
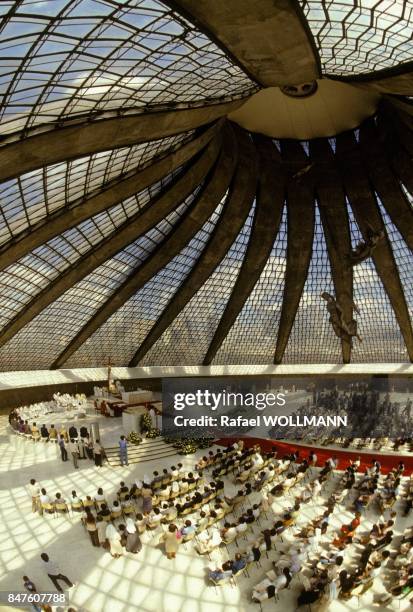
99,498
242,527
229,533
164,492
44,498
154,518
54,573
34,492
74,451
316,488
171,512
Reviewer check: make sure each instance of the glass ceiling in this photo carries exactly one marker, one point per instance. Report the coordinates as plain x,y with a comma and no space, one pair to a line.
83,59
359,37
65,58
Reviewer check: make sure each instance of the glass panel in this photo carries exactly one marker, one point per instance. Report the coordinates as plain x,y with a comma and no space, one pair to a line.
186,340
42,340
46,263
312,339
253,336
377,324
82,57
35,195
127,328
360,37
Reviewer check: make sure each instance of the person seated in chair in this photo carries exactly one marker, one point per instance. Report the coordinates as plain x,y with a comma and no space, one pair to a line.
238,564
60,503
104,512
44,433
73,432
219,574
35,432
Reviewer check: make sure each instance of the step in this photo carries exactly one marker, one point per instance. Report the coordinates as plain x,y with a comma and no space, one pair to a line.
155,442
139,449
115,461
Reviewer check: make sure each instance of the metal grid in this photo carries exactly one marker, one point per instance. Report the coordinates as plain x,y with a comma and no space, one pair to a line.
312,339
252,338
41,341
65,58
32,197
402,255
358,37
126,329
22,281
196,324
377,324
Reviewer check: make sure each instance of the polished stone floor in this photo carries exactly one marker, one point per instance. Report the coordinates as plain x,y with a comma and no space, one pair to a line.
146,582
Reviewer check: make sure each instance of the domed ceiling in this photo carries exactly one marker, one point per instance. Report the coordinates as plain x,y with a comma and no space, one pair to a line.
197,182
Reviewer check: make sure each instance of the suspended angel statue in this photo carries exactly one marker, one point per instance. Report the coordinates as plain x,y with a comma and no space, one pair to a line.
343,329
365,248
303,171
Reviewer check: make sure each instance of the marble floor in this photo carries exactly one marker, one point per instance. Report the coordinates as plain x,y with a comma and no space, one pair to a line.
145,582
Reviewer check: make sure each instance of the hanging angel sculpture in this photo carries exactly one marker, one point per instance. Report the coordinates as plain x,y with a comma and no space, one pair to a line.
365,248
345,330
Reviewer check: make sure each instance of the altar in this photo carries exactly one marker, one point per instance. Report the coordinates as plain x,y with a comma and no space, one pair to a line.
131,419
140,396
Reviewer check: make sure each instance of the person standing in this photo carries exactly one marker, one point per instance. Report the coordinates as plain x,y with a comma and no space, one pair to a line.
54,573
123,451
62,446
114,537
97,453
34,491
89,447
91,527
133,541
171,540
74,451
82,450
52,433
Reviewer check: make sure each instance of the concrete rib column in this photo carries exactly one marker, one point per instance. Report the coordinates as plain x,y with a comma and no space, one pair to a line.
269,206
334,217
367,214
300,218
113,193
385,183
268,39
72,141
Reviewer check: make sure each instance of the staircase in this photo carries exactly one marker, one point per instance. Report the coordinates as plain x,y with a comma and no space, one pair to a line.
147,450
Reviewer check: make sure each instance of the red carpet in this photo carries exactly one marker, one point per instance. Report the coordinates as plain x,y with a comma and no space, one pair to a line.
285,448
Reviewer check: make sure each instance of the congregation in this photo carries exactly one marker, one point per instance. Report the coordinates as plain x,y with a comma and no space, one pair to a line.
324,559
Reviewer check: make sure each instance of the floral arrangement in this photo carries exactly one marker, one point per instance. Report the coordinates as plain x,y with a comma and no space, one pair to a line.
188,445
154,432
146,422
134,438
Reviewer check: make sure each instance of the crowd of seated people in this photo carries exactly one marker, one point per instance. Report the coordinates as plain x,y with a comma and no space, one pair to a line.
185,505
378,419
59,404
